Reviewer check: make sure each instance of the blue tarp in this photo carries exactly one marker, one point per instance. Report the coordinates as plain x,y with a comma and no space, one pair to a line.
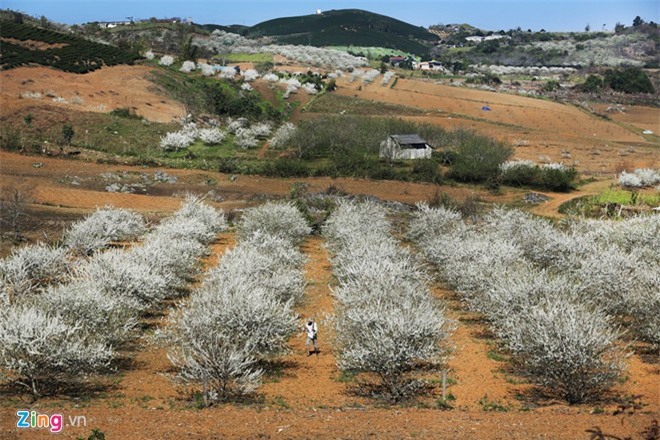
485,108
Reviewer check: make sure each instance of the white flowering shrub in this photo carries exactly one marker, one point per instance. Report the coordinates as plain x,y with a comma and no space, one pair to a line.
271,77
206,69
241,315
280,219
261,129
41,348
174,141
102,316
310,88
370,75
262,261
640,178
245,139
250,75
571,349
234,124
387,77
188,66
101,228
194,220
246,86
149,55
166,60
282,135
229,73
212,136
29,269
175,256
430,222
115,273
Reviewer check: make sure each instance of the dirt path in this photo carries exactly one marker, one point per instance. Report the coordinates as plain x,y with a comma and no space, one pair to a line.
311,381
551,207
475,364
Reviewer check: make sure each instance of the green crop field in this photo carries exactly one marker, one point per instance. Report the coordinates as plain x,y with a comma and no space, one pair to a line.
73,54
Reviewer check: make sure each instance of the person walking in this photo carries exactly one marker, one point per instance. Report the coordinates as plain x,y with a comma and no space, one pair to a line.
312,329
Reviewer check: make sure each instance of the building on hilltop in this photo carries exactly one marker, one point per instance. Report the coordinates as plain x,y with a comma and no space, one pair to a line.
405,147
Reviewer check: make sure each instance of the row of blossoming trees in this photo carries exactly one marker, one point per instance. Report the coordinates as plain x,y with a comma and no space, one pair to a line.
241,317
561,300
69,310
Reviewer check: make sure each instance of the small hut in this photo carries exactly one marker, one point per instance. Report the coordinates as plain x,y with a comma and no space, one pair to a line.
404,147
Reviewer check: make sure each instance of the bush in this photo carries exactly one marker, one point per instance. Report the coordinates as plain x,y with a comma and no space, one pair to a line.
630,80
280,219
568,348
212,136
102,317
40,348
117,274
31,268
551,177
105,226
166,60
478,159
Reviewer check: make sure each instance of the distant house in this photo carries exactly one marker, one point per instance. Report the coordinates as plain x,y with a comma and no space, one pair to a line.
405,147
395,61
430,65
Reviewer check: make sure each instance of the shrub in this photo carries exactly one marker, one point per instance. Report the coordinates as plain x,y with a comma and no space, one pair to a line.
262,261
569,348
166,60
149,55
551,177
177,140
280,219
31,268
245,139
129,279
188,66
250,75
39,348
102,317
478,159
212,136
630,80
101,228
282,135
639,178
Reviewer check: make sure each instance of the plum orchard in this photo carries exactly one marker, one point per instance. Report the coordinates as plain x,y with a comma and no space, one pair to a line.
387,323
557,298
242,314
60,323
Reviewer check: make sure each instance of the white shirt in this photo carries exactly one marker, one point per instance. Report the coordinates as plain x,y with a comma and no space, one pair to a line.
311,330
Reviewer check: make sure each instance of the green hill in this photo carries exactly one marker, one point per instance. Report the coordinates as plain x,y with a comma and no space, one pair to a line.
58,50
347,27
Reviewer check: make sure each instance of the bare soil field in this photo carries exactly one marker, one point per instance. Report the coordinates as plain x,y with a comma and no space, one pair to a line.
541,130
100,91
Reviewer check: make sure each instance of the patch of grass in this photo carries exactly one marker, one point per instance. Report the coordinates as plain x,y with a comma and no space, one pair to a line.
247,57
492,405
280,402
492,354
346,377
607,202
